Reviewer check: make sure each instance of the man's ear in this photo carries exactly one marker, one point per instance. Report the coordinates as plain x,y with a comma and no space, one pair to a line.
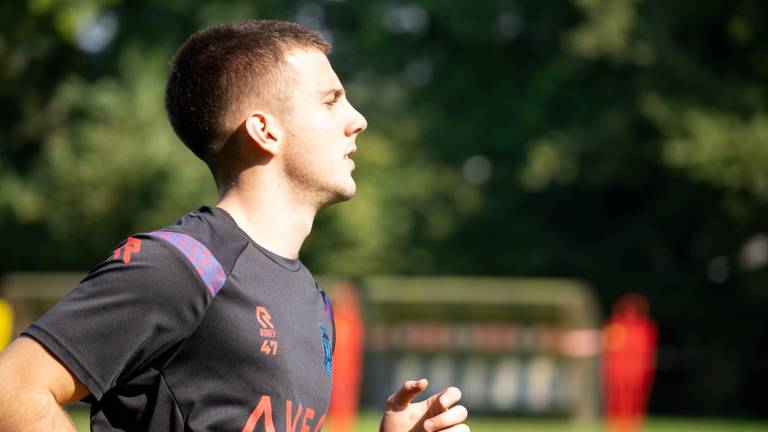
263,131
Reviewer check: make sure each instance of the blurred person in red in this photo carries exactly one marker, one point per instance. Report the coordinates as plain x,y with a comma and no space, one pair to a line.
629,361
347,358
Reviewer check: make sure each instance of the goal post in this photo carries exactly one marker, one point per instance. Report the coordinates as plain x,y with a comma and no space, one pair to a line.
515,346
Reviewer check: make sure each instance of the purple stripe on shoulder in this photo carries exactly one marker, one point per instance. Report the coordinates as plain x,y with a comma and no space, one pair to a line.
206,265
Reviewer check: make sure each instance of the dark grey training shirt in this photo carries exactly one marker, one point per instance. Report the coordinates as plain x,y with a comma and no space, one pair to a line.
196,328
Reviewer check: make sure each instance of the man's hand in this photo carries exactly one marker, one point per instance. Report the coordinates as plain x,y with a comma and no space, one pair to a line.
437,413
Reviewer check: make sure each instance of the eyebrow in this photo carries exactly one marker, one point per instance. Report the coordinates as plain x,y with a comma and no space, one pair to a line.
336,92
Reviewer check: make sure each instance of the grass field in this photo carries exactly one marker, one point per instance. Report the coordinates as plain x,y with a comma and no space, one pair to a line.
368,422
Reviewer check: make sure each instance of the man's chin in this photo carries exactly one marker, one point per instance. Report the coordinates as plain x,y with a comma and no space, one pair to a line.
347,194
341,195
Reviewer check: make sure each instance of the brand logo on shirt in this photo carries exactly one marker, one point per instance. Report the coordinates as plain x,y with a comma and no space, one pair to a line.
131,246
267,331
327,354
293,417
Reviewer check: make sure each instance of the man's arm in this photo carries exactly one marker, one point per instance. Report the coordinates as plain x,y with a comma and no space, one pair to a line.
34,388
439,412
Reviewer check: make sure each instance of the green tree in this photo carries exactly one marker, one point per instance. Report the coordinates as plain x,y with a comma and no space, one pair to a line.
619,141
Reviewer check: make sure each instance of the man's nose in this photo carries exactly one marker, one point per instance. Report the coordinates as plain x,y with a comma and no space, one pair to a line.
357,124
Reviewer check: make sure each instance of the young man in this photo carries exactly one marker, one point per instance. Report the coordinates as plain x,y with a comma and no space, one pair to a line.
214,324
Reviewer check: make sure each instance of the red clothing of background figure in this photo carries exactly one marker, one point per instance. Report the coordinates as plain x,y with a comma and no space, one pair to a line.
629,361
347,359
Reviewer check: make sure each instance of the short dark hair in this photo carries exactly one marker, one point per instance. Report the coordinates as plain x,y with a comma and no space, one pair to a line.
221,68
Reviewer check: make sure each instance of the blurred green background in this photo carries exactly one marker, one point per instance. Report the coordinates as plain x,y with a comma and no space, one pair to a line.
623,142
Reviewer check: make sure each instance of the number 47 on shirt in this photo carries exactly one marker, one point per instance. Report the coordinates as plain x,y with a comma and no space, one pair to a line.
269,347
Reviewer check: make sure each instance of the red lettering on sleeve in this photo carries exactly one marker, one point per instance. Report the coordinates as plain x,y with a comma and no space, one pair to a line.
131,246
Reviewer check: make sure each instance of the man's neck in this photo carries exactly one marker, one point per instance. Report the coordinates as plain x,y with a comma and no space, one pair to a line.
269,216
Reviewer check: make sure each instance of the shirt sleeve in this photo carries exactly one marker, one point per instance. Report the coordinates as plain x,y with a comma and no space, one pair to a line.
132,308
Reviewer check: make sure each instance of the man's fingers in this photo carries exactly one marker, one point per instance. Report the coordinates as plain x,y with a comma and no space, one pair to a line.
403,396
447,398
458,428
448,419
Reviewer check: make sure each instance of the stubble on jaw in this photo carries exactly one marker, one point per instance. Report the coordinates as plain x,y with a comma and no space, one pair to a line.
314,185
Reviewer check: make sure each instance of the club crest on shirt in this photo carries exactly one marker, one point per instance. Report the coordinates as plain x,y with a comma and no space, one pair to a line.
327,355
267,331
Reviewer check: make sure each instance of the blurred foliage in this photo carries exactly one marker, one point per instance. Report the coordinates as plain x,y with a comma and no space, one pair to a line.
620,141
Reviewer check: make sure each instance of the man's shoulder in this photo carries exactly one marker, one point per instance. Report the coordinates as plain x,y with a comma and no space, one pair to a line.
206,235
202,243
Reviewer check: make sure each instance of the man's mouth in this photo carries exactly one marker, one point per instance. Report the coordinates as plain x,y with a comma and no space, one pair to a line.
350,153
